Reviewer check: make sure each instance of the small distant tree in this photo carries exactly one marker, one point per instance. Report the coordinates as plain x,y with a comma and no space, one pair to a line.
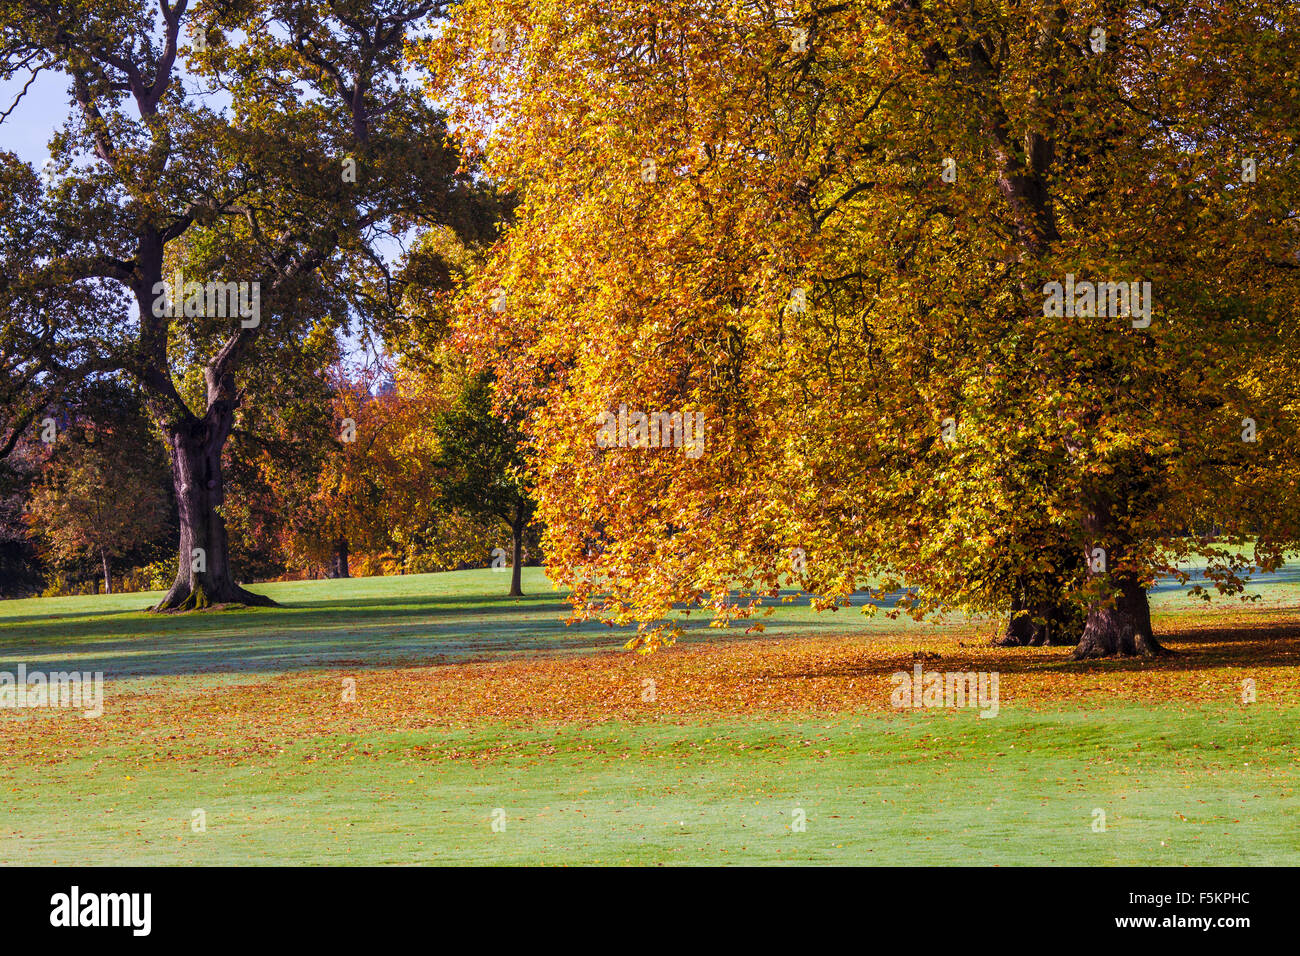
481,466
99,497
374,496
376,477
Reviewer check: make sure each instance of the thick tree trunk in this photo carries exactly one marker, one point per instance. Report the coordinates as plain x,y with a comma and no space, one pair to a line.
339,559
517,547
1122,627
1119,620
108,577
1042,622
1041,614
203,578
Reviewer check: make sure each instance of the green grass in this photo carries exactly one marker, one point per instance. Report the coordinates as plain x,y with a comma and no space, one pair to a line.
1179,784
460,615
456,616
918,790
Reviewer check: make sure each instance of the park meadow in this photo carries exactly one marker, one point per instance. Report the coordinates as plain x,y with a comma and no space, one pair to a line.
234,740
638,433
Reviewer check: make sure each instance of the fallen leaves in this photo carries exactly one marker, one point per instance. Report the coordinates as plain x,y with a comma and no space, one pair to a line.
746,678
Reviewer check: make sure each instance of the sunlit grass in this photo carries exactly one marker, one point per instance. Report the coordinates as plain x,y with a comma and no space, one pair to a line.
469,702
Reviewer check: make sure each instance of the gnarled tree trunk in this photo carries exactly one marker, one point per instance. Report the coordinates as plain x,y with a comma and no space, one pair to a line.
1119,620
195,443
1122,627
203,578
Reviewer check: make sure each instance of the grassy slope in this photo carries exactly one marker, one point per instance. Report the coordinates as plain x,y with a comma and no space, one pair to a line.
1199,782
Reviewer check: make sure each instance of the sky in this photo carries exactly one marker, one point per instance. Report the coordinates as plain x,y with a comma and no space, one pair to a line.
28,129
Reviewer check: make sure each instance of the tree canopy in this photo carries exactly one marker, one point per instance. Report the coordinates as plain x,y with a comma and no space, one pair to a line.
844,234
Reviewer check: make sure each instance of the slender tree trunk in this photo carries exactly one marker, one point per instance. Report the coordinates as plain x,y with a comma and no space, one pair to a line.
339,559
203,578
517,547
108,577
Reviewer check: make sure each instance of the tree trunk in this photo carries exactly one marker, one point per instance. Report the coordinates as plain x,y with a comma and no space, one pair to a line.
517,547
339,559
1119,620
1123,627
108,577
1041,614
203,578
1047,621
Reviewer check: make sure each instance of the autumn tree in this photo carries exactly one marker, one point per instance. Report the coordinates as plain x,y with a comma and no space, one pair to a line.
100,494
844,234
224,168
375,475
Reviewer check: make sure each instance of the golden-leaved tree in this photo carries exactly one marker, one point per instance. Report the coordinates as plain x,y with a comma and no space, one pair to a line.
375,500
991,299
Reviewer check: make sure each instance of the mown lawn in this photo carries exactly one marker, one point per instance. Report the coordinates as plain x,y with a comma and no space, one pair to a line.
468,703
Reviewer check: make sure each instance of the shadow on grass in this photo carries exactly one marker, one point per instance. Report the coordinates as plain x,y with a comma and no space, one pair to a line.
408,630
1274,645
305,635
410,604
